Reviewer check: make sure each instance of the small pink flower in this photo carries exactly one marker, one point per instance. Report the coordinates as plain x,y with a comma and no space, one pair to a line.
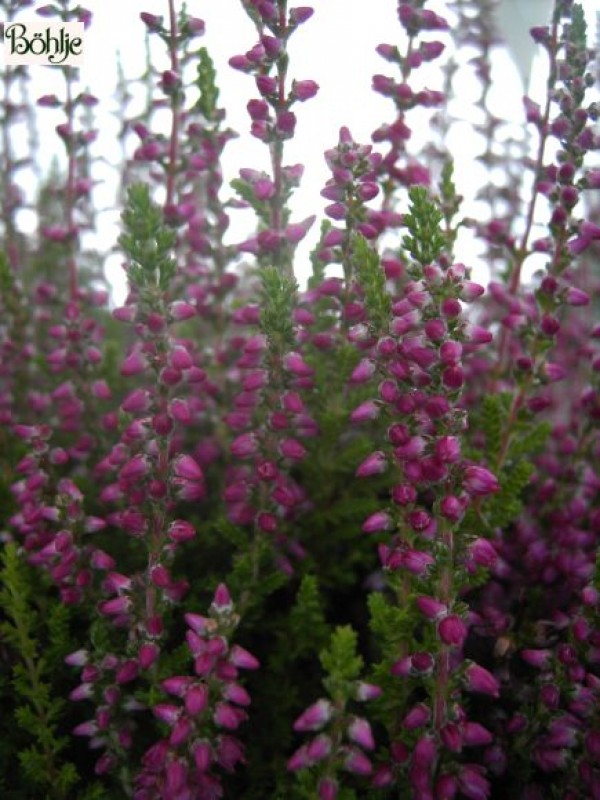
452,630
374,464
377,522
304,90
315,717
359,731
480,680
187,468
480,481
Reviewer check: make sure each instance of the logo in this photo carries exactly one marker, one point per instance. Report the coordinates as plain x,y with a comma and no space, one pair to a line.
53,43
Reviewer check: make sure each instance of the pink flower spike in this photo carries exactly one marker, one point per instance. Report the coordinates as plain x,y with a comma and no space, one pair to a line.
481,681
315,717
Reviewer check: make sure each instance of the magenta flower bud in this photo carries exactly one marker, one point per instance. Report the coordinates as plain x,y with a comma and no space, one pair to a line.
180,359
152,21
451,736
180,310
170,81
134,364
294,363
136,402
576,297
148,655
446,787
314,717
472,782
292,449
431,608
226,716
177,685
89,728
202,753
84,691
475,334
327,789
417,717
480,481
300,14
244,446
425,753
540,659
292,402
135,469
299,760
359,732
266,85
363,372
318,748
374,464
367,691
483,553
304,90
286,123
367,411
451,508
222,602
127,672
195,26
452,630
196,699
187,468
78,658
241,658
357,763
377,522
478,679
181,531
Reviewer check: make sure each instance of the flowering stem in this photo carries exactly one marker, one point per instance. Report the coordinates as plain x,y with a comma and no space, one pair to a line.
174,136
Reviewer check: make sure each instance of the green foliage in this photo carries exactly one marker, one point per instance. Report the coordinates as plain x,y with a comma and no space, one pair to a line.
39,708
147,241
372,279
278,300
206,85
307,619
426,240
341,662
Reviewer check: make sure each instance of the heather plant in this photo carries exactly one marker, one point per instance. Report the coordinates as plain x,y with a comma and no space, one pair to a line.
262,540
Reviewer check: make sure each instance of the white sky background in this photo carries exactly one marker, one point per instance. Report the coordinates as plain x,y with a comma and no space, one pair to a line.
336,47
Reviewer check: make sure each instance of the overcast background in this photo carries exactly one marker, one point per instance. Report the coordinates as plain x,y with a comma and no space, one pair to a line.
336,47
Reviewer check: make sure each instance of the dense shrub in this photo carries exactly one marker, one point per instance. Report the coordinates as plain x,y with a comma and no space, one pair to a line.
335,542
